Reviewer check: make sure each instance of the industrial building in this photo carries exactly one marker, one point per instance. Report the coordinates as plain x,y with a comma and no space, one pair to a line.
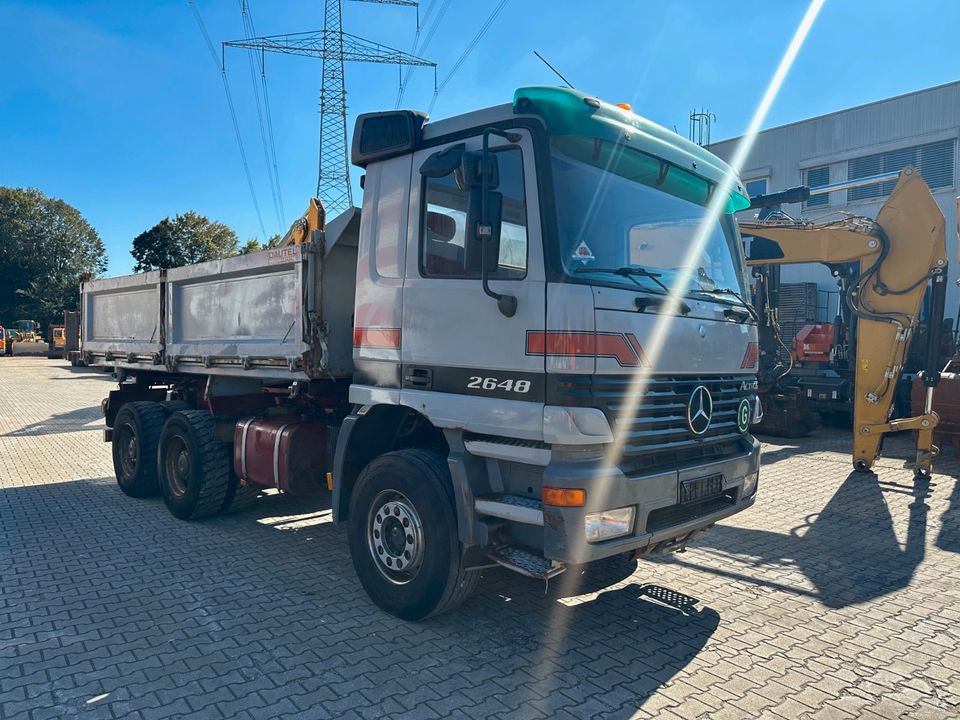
920,129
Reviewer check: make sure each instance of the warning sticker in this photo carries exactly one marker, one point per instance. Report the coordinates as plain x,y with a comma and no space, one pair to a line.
583,253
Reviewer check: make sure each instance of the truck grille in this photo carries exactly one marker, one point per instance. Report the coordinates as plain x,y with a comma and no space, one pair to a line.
657,434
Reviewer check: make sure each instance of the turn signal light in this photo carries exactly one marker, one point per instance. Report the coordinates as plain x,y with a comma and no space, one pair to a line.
625,106
564,497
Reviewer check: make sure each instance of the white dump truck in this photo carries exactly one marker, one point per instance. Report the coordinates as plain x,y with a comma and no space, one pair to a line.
462,363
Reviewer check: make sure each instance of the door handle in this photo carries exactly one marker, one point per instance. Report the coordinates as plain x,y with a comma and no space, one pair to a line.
421,378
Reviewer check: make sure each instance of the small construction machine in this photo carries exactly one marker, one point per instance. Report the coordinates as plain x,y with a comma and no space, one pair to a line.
887,265
56,347
27,339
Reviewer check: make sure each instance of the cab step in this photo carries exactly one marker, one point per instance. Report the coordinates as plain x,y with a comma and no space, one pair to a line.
516,508
526,562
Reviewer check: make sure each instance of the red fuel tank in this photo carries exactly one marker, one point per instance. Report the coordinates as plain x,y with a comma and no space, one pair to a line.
284,453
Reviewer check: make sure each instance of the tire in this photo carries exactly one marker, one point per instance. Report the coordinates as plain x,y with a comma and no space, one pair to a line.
426,574
239,496
172,406
192,465
136,434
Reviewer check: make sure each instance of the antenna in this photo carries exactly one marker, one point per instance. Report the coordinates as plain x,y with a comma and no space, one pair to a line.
556,72
700,126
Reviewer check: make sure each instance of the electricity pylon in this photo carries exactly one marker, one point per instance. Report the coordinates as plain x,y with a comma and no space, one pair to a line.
334,47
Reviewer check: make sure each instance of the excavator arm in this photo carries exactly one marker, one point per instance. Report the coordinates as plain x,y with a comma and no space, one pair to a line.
309,227
900,254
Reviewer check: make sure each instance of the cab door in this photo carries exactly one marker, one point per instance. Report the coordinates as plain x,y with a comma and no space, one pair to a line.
455,340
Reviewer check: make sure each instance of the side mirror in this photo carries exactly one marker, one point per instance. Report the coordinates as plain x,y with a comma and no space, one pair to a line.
443,162
483,236
473,167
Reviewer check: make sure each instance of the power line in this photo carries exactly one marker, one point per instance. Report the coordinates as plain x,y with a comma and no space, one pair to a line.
273,147
444,5
469,49
271,163
233,112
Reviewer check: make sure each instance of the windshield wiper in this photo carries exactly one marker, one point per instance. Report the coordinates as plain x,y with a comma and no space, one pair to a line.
735,294
628,271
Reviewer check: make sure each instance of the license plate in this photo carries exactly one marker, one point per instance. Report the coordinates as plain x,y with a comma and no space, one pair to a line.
698,489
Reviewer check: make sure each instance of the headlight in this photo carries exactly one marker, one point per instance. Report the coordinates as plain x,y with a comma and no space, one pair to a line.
609,524
750,484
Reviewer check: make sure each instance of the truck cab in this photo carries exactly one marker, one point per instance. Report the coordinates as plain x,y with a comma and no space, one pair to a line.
589,404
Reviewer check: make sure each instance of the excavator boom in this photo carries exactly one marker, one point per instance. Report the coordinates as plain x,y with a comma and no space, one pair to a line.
901,253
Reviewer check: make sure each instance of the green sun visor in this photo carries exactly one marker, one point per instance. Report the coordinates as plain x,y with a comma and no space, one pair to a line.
625,143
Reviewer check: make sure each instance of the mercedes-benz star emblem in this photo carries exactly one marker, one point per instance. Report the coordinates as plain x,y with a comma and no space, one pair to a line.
699,410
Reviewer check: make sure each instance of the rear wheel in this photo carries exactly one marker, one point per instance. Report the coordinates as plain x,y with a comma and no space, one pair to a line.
172,406
240,494
403,536
136,433
194,467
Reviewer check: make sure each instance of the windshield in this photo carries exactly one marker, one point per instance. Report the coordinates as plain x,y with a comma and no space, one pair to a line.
612,214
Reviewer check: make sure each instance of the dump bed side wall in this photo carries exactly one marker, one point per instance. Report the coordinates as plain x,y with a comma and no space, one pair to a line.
278,315
243,315
121,319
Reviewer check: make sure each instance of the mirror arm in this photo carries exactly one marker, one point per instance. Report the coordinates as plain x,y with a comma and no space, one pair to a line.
507,304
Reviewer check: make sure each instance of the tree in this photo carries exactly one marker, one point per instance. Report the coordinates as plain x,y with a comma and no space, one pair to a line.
157,248
253,245
188,238
45,246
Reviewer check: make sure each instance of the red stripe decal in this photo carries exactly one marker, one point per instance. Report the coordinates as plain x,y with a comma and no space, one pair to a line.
536,342
584,344
384,338
751,355
638,349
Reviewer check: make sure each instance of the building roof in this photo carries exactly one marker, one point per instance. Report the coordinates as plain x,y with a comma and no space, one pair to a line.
954,84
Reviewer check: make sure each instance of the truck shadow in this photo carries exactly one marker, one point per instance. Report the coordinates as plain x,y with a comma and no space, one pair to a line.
80,420
949,537
269,594
849,551
635,636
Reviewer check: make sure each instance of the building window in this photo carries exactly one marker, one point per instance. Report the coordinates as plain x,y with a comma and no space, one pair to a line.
444,251
756,187
934,161
816,177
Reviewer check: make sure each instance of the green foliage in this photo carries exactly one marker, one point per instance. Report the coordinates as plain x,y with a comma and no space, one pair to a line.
253,245
45,247
187,239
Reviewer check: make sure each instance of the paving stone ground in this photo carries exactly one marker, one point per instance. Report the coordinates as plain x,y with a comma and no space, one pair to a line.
835,596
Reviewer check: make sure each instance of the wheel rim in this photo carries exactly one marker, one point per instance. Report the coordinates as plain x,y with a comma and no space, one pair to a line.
127,446
177,462
395,537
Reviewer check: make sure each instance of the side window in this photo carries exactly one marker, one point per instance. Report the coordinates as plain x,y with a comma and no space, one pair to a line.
443,251
815,177
756,187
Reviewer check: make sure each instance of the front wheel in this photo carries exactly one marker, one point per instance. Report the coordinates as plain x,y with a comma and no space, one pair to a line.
403,536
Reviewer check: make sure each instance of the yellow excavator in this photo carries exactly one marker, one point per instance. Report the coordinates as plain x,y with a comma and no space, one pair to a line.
901,254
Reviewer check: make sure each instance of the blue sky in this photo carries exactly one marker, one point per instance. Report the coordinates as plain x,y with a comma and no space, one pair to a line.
116,106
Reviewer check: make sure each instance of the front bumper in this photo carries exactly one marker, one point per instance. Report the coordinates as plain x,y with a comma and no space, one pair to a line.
660,517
